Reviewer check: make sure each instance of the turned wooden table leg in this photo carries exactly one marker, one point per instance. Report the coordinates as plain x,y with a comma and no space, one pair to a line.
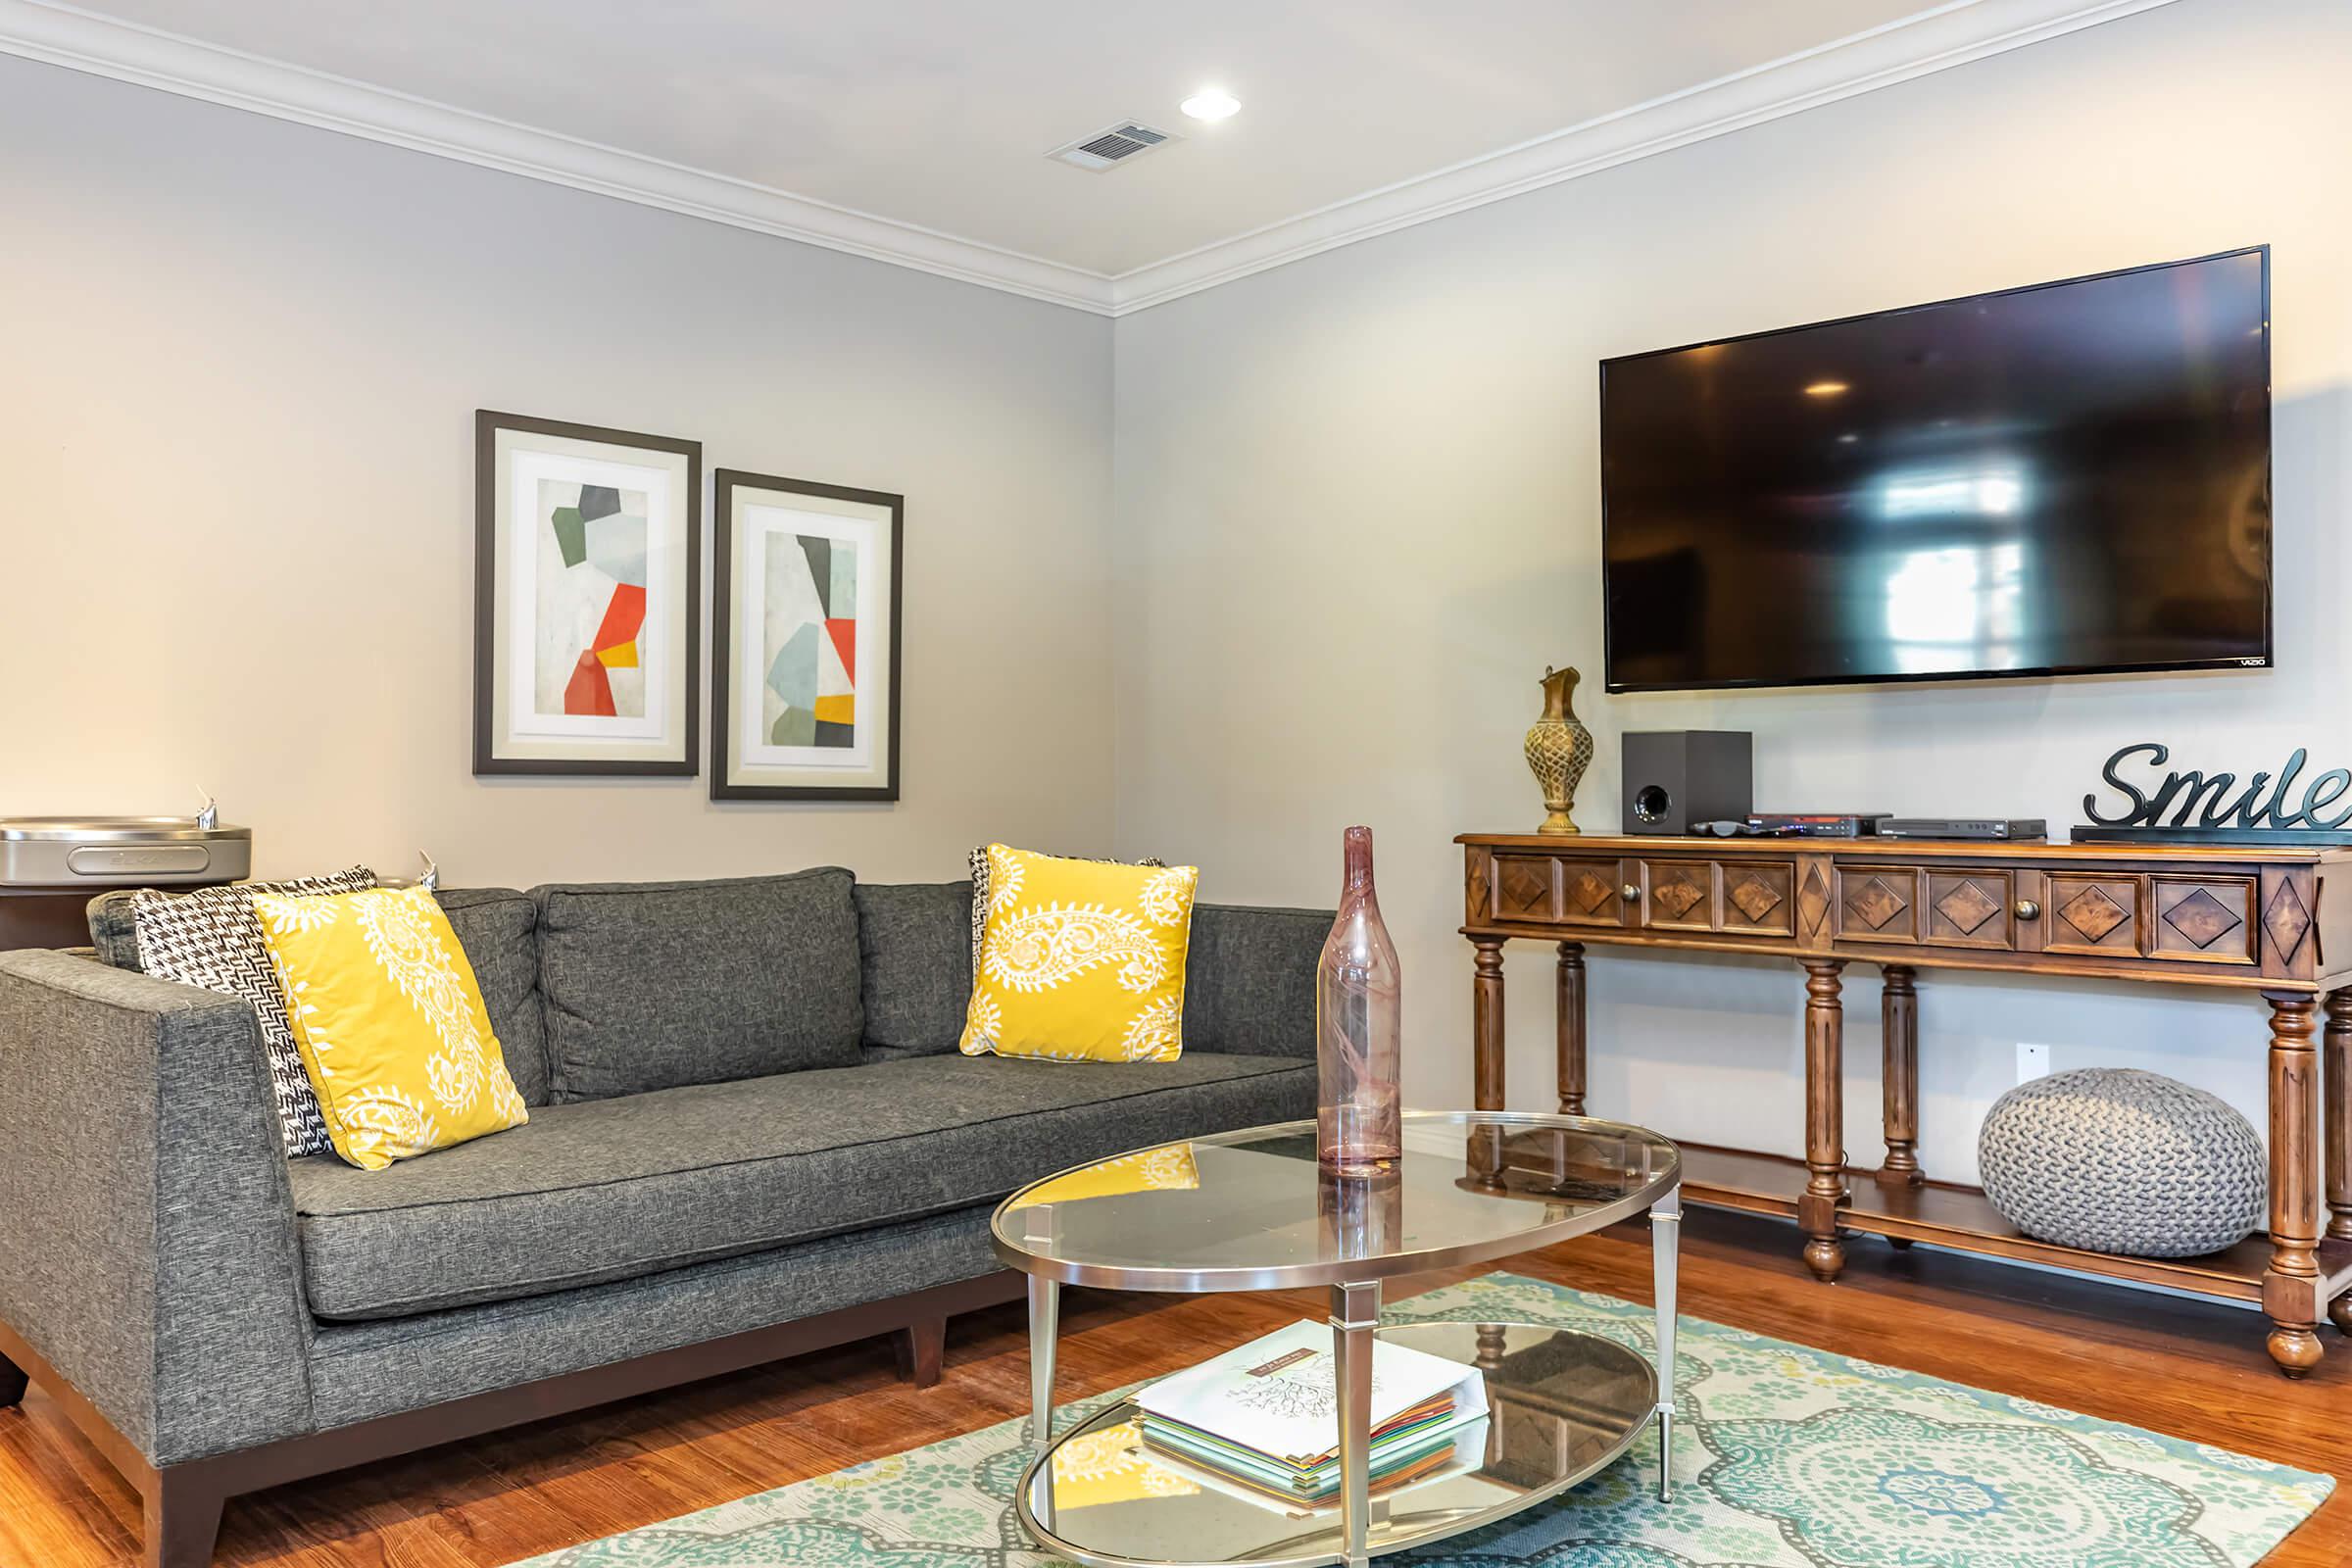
2335,1091
1898,1008
2290,1285
1572,1028
1824,1118
1485,1025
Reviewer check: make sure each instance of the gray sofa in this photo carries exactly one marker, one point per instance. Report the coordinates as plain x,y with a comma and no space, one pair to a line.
750,1135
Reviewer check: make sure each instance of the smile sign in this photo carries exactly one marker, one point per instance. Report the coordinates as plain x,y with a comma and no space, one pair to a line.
2200,800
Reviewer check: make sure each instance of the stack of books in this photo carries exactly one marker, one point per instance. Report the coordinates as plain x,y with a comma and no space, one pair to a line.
1266,1415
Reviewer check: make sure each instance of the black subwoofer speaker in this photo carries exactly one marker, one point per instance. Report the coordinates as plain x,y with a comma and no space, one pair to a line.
1675,777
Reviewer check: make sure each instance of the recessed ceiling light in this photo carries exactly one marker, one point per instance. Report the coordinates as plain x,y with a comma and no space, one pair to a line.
1210,104
1825,389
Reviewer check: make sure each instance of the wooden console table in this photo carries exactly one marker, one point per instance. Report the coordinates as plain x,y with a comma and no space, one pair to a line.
2256,919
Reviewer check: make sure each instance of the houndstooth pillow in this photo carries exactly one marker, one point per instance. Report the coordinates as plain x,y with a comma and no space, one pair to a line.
211,938
978,862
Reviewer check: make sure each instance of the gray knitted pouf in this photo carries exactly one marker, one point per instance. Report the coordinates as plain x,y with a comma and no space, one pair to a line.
2112,1159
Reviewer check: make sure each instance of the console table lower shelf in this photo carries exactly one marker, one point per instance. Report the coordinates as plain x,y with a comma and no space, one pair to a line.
1894,1204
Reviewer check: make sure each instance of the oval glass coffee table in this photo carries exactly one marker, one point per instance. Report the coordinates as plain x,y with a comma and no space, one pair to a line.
1252,1210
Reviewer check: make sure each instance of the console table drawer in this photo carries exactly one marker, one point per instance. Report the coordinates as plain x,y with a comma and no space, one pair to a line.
1736,897
1680,895
2208,919
1758,896
1878,903
1553,890
1526,888
2086,911
1971,908
1963,906
1590,892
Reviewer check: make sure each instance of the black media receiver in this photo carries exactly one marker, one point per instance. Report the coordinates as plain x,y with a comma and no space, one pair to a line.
1971,828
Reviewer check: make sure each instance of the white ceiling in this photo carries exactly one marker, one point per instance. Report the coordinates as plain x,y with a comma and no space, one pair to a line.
935,114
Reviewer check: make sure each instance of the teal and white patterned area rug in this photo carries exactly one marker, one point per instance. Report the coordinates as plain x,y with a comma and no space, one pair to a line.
1785,1457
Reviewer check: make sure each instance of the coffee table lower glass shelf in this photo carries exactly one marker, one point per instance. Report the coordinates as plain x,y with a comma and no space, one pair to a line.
1562,1408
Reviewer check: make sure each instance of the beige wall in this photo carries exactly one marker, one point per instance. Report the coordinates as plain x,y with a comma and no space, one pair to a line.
239,361
1358,512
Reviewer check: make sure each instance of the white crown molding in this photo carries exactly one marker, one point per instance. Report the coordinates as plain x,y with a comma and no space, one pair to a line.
63,35
1950,35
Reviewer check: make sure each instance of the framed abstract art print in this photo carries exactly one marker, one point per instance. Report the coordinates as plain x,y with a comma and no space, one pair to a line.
587,600
805,638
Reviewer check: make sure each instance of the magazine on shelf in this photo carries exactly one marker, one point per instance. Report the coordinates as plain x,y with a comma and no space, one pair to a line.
1461,1451
1268,1411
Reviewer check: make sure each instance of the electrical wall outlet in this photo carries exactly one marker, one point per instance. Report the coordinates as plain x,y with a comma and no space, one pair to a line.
2033,1062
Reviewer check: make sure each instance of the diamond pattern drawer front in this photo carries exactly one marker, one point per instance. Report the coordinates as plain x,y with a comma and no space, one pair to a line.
2209,919
1759,897
1968,908
1878,903
1589,893
2090,913
1523,887
1682,895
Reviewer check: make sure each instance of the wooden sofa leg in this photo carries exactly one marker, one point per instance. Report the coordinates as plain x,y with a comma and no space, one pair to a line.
921,1346
11,1384
183,1518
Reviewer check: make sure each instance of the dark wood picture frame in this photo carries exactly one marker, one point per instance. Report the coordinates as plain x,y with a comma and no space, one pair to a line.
722,651
487,423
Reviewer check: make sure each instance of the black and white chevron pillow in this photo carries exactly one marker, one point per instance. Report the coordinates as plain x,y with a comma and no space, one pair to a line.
211,938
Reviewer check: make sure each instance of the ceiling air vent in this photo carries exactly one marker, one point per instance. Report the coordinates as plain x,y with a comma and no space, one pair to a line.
1107,148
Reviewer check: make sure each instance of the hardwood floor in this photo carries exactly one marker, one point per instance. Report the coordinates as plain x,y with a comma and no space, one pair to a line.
2180,1367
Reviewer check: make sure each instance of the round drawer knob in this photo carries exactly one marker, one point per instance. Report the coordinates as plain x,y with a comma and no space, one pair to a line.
2028,910
1629,893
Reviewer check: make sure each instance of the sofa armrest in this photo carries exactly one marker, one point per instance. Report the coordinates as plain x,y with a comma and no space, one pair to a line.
147,1244
1249,980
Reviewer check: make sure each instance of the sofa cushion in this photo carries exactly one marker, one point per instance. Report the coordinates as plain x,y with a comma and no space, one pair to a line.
114,929
918,964
655,984
614,1189
1249,979
498,929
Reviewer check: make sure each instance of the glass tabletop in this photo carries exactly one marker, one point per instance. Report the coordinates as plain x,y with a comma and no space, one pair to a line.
1252,1210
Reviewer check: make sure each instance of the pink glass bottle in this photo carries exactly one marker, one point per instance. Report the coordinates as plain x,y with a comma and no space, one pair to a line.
1360,1126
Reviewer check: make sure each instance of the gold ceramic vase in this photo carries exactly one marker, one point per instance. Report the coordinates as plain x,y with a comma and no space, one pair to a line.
1558,750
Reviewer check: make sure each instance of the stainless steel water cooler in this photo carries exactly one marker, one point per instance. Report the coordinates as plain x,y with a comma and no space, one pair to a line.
52,867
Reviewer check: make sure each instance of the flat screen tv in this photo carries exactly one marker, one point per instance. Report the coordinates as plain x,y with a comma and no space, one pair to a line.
2063,479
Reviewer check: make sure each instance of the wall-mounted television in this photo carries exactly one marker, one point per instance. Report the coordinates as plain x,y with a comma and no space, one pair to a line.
2063,479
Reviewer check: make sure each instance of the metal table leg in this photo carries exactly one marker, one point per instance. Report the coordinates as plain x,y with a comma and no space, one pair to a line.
1044,1312
1355,1316
1665,1244
1045,1323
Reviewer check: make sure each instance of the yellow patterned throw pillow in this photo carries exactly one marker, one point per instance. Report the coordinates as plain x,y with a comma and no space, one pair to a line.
1080,960
390,1024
